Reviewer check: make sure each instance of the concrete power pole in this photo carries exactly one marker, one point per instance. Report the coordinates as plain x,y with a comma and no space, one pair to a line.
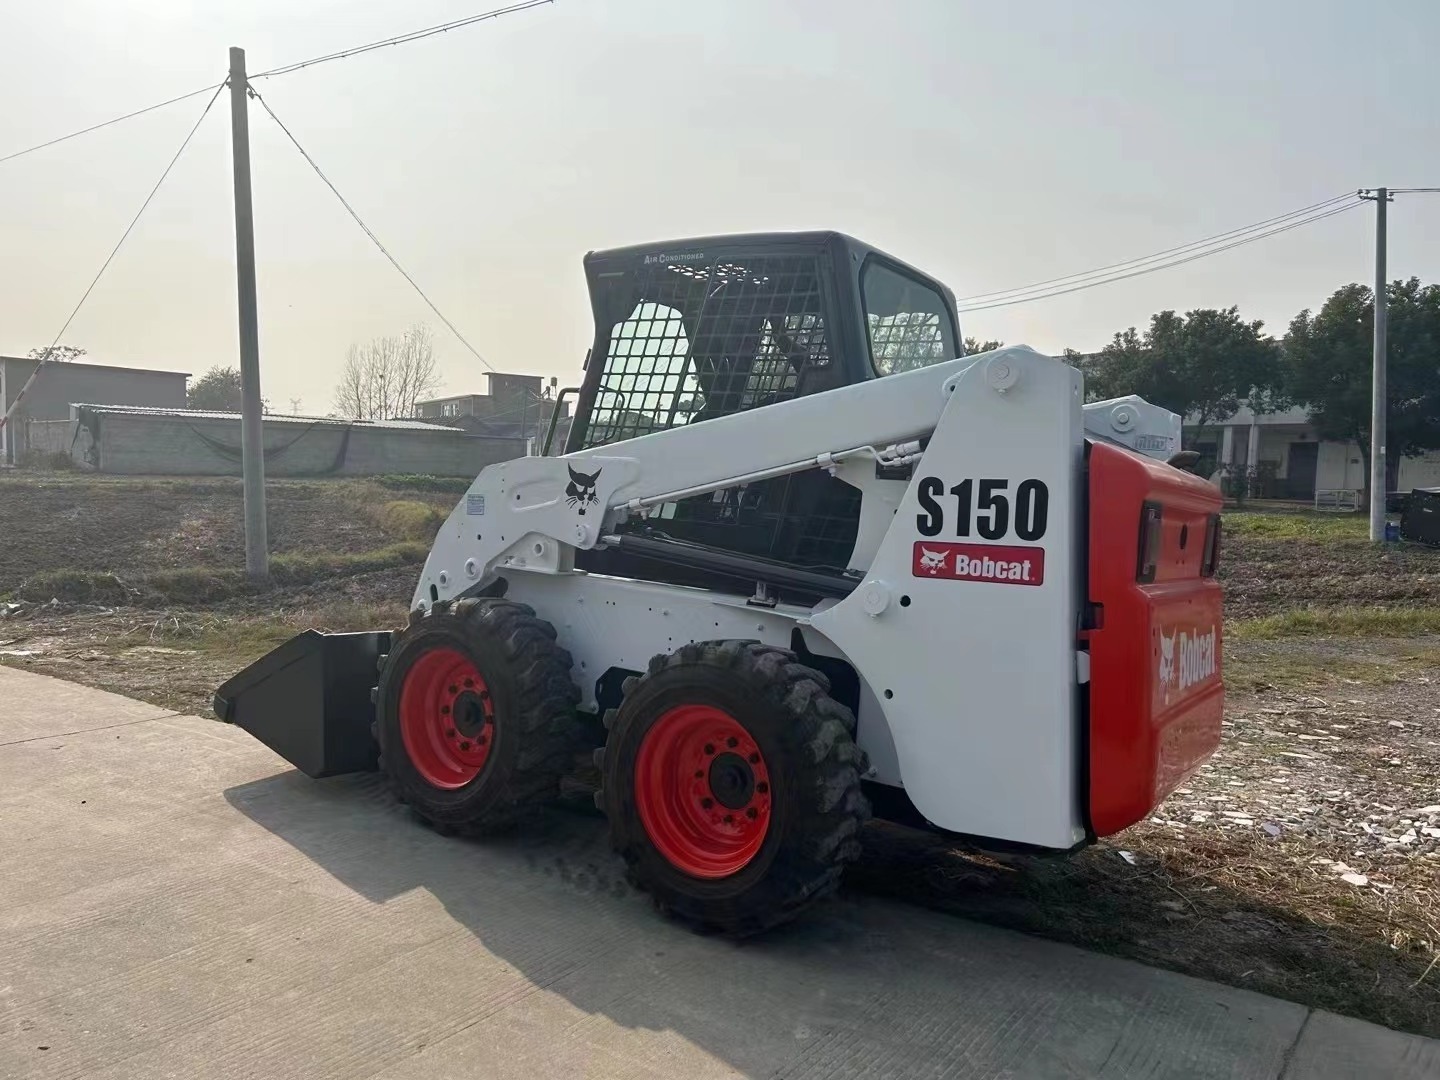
252,447
1377,393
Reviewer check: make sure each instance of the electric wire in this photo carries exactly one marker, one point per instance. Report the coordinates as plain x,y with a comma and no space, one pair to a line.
1046,295
368,231
45,356
400,39
1130,263
107,123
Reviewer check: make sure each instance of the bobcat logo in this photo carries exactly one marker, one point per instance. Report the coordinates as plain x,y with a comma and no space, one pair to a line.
580,492
933,561
1167,661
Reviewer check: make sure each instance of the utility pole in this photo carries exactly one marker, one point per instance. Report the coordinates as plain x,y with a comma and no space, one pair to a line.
1378,399
252,447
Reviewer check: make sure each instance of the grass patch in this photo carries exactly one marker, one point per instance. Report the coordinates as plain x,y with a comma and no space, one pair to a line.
409,519
440,485
1297,525
1253,669
1337,622
198,585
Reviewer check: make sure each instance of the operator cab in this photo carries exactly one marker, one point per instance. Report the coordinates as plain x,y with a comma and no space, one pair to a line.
689,330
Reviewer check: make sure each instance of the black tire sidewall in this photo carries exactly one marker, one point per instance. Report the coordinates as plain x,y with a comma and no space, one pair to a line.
446,630
772,726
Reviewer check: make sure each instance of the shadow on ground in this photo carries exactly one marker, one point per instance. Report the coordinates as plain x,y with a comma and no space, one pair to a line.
835,992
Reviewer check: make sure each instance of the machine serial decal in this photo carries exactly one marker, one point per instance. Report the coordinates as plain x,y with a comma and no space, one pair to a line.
580,492
984,506
1002,563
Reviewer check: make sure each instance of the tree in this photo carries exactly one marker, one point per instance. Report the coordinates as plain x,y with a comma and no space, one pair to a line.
976,345
382,380
1327,368
57,354
218,390
1203,364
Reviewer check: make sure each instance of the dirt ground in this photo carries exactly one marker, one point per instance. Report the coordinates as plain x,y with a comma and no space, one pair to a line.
124,526
1303,860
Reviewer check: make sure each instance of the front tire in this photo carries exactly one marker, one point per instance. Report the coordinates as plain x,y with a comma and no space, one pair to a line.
475,714
732,785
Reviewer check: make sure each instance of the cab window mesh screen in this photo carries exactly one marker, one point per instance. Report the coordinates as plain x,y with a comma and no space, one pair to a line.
907,319
707,339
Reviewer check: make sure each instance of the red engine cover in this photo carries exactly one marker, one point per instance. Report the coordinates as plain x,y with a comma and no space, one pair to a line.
1156,696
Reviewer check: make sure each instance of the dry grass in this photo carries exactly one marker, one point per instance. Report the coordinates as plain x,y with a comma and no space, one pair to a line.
206,585
1298,525
1337,622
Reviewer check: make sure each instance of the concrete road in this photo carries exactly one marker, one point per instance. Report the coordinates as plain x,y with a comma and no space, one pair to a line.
175,901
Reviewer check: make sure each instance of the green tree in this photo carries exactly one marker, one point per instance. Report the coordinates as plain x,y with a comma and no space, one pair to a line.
218,390
979,345
1327,368
1203,364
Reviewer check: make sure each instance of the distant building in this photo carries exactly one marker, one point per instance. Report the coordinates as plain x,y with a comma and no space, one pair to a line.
1285,458
184,442
515,407
42,421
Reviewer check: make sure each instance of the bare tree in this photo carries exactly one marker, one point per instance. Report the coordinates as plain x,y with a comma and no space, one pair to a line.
57,353
384,378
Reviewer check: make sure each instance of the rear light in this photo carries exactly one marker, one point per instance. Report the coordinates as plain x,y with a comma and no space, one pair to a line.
1150,536
1211,559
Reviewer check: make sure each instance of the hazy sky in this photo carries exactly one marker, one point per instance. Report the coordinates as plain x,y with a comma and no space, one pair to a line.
993,144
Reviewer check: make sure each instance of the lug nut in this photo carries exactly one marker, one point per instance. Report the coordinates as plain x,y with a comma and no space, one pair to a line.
754,759
729,819
751,812
465,744
762,787
709,748
707,803
450,733
732,742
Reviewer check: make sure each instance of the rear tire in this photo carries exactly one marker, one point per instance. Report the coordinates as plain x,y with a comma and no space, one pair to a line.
732,785
475,714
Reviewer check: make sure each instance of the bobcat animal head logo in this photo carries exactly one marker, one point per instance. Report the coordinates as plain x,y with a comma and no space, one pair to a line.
933,561
580,492
1167,661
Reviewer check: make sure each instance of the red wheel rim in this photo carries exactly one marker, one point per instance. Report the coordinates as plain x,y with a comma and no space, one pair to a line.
447,719
702,790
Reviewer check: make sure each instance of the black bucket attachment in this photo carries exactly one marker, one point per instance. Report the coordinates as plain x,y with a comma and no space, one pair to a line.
309,700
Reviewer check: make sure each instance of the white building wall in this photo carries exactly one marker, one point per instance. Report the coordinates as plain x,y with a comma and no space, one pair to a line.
1339,467
1422,471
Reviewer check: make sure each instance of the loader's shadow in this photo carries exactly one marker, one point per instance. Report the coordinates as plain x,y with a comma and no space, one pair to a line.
552,902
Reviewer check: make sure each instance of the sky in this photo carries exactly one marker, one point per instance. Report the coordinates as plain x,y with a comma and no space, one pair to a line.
991,144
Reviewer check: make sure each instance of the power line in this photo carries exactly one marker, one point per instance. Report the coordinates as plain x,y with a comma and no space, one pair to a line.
401,39
45,356
368,232
107,123
1412,190
1170,264
1125,263
398,39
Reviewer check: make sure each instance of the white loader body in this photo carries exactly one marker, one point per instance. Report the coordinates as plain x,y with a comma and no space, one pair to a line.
970,591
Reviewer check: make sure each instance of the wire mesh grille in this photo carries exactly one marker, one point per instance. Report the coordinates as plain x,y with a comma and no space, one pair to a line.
709,340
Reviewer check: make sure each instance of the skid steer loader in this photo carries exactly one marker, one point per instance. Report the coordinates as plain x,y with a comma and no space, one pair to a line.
800,562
